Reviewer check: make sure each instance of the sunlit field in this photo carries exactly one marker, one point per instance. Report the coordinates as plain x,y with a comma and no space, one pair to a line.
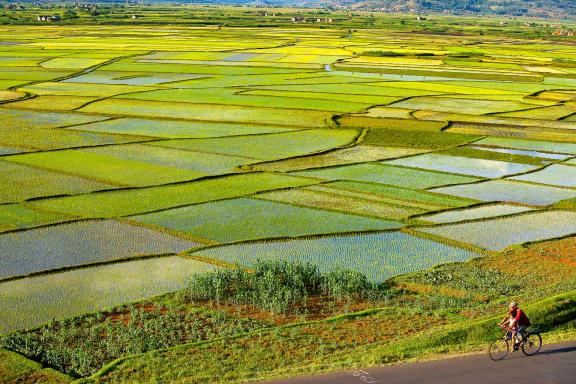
132,157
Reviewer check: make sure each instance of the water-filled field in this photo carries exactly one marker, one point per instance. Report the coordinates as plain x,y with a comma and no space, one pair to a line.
379,256
272,143
250,219
473,213
34,300
81,243
509,230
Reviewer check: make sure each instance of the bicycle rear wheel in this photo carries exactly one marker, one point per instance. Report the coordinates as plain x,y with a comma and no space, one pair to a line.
498,349
532,344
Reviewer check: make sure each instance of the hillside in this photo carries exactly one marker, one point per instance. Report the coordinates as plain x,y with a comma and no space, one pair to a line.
540,8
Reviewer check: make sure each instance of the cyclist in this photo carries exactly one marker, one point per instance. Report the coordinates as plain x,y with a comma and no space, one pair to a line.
517,323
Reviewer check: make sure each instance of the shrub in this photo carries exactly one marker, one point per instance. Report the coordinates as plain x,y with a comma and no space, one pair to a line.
278,286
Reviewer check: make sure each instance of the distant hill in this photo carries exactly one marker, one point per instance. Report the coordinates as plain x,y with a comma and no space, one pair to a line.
537,8
542,8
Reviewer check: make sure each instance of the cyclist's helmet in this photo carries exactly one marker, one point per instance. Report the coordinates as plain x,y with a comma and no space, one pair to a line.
513,304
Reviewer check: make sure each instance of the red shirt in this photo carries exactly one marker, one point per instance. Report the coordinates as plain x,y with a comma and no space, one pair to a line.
521,318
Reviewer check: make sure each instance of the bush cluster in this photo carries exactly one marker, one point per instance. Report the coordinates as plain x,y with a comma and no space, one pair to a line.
279,286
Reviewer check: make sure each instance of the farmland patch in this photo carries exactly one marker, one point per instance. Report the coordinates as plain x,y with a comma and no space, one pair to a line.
131,202
340,201
271,146
35,300
18,216
555,174
387,174
20,182
204,163
503,190
209,112
499,233
105,168
379,256
176,128
462,165
350,155
226,221
473,213
81,243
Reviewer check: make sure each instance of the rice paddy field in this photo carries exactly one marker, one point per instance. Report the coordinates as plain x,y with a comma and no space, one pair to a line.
134,156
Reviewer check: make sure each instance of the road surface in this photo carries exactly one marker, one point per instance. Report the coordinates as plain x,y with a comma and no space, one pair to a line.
555,364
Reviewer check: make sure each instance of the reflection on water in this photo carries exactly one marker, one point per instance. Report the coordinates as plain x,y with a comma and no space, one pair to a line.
465,166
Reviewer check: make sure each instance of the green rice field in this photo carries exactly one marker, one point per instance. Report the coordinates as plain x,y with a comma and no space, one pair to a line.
142,144
250,219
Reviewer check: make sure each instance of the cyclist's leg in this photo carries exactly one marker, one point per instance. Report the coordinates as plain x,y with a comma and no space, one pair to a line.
522,332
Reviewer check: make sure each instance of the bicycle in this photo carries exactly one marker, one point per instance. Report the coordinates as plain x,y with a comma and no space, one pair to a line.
530,343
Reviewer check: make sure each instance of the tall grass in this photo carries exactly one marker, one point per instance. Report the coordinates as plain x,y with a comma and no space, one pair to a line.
280,286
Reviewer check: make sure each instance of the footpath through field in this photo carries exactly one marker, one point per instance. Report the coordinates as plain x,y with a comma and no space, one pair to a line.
555,364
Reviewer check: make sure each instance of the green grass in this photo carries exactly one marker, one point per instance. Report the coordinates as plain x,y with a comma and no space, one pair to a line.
39,139
271,146
15,368
18,216
209,112
281,353
326,96
348,155
226,221
29,74
106,169
20,182
79,348
131,202
71,63
350,89
547,113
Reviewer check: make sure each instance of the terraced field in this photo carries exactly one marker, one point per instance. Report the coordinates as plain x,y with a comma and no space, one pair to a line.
132,158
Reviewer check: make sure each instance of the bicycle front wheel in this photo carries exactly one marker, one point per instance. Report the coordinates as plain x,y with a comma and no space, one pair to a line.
532,344
498,349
